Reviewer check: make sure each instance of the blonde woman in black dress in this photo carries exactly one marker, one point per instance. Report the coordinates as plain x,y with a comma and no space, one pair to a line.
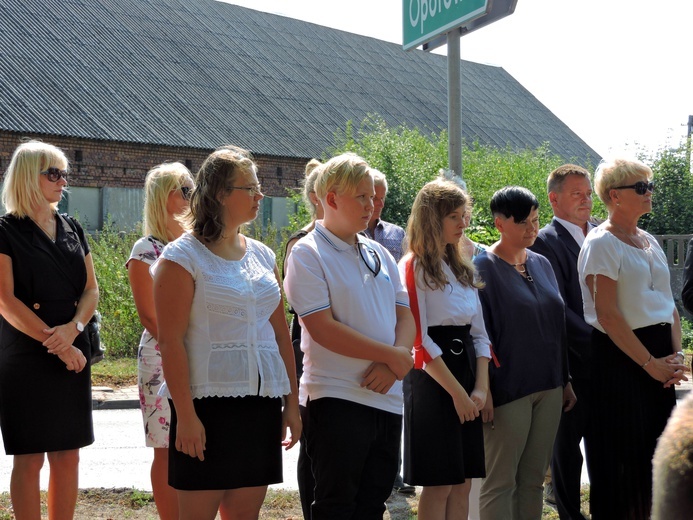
48,292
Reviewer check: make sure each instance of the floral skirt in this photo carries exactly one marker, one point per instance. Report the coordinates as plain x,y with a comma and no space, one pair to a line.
156,413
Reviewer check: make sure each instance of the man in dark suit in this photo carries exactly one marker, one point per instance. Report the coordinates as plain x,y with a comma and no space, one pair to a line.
570,195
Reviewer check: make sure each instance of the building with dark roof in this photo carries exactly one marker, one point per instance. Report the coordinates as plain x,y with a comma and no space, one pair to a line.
122,85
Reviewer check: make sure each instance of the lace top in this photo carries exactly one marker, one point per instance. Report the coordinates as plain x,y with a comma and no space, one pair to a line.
230,343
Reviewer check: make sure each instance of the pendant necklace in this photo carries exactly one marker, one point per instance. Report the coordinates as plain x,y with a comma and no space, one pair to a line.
522,269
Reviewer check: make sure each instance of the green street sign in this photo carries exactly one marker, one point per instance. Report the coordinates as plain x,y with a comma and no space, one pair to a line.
423,20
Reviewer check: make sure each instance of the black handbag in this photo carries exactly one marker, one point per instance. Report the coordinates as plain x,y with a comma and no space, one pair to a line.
94,338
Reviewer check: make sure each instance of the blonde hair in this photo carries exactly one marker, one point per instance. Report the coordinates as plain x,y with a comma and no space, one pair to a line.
311,173
614,172
217,172
379,179
158,185
341,174
21,188
435,201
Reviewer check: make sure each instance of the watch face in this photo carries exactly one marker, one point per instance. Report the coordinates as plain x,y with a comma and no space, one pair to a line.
80,326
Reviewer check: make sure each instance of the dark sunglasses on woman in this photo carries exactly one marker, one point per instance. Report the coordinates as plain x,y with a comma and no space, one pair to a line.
640,187
186,191
55,174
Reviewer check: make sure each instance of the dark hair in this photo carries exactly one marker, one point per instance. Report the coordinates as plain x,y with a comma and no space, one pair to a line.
217,171
513,201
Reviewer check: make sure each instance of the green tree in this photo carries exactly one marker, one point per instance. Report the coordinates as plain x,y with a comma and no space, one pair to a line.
672,212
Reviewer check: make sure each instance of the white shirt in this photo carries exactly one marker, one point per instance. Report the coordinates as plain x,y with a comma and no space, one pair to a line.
230,342
575,231
324,272
455,304
643,291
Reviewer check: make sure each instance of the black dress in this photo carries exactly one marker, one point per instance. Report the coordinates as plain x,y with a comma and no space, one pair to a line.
43,405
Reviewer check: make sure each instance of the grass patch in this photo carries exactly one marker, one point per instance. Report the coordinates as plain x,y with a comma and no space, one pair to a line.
280,504
114,373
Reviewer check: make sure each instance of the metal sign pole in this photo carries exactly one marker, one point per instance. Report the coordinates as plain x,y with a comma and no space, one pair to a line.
454,104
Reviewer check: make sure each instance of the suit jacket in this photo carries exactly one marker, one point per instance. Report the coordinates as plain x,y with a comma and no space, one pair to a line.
560,248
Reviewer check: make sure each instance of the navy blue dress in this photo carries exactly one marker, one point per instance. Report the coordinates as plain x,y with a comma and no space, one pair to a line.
43,405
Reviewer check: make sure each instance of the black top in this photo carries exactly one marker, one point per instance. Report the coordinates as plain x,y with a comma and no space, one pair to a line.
525,321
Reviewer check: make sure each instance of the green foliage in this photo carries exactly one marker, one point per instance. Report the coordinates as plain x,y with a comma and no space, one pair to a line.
120,328
672,211
139,499
686,334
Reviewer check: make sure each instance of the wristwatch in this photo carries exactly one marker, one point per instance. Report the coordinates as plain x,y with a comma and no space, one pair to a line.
80,325
680,353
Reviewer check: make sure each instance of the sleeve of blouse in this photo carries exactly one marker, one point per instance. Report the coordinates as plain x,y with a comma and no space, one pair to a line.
5,247
431,347
82,236
179,253
599,256
482,345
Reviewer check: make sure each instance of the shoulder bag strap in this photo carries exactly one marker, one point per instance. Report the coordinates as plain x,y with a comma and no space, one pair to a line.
421,356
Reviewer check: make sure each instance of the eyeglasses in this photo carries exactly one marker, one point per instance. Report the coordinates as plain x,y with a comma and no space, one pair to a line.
370,258
252,190
640,187
55,174
186,192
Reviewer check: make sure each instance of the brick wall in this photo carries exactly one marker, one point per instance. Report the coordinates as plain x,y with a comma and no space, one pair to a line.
124,165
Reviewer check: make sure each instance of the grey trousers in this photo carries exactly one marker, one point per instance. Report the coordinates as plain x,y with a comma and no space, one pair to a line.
518,451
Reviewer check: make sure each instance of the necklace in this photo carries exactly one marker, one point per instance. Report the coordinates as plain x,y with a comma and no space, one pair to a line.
641,246
522,269
631,238
50,233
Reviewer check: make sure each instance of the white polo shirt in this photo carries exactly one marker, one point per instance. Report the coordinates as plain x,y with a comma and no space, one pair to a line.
325,272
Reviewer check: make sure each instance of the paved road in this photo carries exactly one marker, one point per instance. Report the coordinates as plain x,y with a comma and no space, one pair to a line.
119,458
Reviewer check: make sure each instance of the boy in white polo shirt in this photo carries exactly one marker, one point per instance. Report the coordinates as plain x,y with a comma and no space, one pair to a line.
358,333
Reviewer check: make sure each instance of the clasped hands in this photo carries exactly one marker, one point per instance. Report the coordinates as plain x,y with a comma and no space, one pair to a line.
60,342
379,377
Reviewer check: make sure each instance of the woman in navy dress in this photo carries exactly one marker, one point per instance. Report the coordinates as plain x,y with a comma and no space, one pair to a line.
48,292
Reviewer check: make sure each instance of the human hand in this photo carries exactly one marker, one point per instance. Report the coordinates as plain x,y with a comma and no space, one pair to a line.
401,361
487,411
466,408
291,421
61,337
479,398
191,438
73,358
378,378
569,397
667,370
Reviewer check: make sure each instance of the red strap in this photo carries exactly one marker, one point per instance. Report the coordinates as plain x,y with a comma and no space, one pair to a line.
494,358
421,355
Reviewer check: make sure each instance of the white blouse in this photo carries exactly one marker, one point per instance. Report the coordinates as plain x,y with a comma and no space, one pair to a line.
643,290
453,305
230,343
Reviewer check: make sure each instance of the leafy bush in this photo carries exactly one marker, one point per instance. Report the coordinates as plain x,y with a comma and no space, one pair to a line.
120,328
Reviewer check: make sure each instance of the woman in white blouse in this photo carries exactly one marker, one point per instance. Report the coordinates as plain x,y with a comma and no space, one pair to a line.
225,347
444,445
636,343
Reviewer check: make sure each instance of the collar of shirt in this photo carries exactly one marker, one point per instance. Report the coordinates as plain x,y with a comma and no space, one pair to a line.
574,230
333,239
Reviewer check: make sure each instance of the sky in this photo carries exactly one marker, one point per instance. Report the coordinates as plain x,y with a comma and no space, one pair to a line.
619,73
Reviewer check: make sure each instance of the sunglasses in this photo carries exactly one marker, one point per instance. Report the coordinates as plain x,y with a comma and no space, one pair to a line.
640,187
55,174
252,190
370,258
186,192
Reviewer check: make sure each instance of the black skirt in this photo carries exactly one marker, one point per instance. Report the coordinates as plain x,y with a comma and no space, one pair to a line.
243,445
629,412
438,450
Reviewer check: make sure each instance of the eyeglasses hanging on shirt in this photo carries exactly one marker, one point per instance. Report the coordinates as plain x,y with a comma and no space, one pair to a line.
370,257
